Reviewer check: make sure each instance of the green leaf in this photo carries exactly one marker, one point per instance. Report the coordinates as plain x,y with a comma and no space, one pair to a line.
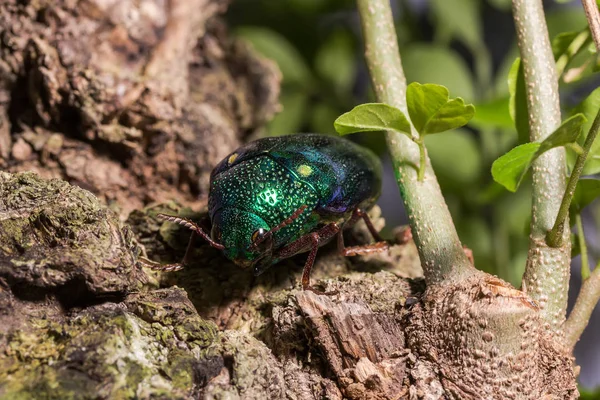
438,64
566,133
291,117
372,117
503,5
588,189
456,159
564,19
272,45
567,46
510,169
431,110
517,103
321,117
335,61
589,107
493,114
458,19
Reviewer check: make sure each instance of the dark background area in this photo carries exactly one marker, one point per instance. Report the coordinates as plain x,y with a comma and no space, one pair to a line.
466,45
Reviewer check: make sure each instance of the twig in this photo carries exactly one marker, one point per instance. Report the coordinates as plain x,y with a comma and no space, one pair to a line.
585,263
556,236
547,271
589,295
593,17
440,250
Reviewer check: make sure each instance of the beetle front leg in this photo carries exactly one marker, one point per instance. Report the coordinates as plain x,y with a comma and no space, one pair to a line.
187,258
310,241
176,266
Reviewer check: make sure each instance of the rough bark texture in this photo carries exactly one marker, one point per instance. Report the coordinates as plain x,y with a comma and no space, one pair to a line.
134,101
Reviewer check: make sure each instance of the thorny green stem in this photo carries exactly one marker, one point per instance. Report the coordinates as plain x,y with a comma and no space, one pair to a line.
588,297
440,250
585,264
547,272
556,236
589,294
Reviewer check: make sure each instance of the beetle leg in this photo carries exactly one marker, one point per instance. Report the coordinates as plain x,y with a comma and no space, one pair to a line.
358,213
310,241
378,246
158,266
359,250
193,227
187,258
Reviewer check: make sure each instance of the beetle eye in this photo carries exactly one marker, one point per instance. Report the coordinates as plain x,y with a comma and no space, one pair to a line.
261,243
260,232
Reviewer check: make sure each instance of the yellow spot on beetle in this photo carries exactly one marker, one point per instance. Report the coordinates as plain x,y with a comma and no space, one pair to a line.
232,158
305,170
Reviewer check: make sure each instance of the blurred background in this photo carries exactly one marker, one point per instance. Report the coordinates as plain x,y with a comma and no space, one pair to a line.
466,45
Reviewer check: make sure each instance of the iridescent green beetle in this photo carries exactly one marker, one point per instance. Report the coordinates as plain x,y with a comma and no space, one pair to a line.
280,196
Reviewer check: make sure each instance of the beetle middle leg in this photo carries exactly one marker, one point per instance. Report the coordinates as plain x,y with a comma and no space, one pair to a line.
311,242
378,246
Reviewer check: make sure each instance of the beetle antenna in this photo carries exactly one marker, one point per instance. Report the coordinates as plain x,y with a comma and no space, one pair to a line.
193,226
282,225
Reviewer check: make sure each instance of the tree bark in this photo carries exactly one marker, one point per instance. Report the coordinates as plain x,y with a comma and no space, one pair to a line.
128,105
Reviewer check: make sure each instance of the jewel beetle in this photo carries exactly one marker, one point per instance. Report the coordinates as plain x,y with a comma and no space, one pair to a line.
279,196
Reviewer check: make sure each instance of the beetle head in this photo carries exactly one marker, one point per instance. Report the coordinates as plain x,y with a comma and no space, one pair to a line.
237,230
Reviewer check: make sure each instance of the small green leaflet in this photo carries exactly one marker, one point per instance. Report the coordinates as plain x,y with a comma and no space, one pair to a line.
510,169
517,103
432,111
588,189
589,107
372,117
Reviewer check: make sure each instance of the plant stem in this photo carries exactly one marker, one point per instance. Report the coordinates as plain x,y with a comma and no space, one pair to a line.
547,272
589,294
556,236
585,264
593,17
440,250
588,297
422,160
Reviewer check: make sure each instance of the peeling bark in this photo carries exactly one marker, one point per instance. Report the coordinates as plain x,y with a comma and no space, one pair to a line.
82,321
127,98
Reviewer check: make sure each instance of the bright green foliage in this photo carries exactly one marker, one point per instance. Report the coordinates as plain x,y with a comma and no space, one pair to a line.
276,47
589,107
566,133
510,169
334,61
372,117
431,110
588,189
448,51
517,103
459,173
459,19
493,113
420,61
567,45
